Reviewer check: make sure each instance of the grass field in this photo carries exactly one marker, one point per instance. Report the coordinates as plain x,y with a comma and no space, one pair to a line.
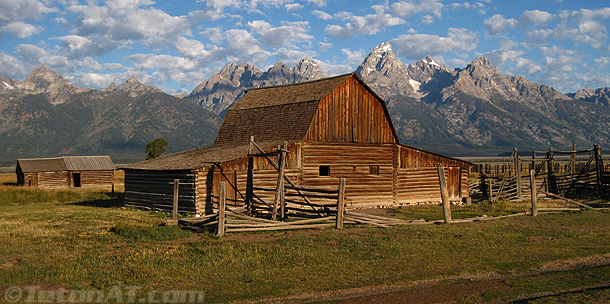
85,240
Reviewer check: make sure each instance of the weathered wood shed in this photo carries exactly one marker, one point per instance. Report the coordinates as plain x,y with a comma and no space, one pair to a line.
66,172
334,127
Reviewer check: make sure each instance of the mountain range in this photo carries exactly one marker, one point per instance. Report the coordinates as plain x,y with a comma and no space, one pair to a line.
476,110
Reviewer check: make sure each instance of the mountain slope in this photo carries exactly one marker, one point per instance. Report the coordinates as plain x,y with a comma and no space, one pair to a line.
47,116
219,92
478,110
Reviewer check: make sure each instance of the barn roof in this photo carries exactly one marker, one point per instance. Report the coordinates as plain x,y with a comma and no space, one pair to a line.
66,163
198,158
279,113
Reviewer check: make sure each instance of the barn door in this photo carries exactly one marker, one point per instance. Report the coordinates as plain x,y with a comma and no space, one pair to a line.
229,177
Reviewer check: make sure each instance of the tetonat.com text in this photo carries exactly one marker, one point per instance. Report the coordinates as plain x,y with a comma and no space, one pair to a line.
115,294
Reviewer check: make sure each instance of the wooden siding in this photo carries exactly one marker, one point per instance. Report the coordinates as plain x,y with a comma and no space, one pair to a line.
352,161
414,158
53,180
155,189
95,179
422,184
350,113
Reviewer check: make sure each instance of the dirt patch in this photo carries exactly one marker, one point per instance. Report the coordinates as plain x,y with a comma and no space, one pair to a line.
467,288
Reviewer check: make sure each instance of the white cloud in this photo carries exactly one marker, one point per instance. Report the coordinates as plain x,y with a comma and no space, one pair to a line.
322,15
119,23
358,25
353,58
324,45
292,7
22,10
243,47
11,67
34,55
537,37
536,17
216,8
602,61
213,33
320,3
291,56
584,27
20,29
409,8
415,47
190,48
497,24
282,36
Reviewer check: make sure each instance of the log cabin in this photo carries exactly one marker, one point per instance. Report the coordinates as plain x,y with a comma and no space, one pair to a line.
332,128
66,172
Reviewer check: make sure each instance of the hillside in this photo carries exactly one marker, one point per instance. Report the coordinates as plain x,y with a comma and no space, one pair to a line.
47,116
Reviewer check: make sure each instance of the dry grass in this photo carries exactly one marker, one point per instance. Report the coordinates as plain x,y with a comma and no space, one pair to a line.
85,239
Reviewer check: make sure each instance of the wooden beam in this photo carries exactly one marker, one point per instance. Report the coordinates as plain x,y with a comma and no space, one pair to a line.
340,203
221,209
444,195
533,192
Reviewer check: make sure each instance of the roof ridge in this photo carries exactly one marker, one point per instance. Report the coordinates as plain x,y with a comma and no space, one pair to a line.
300,83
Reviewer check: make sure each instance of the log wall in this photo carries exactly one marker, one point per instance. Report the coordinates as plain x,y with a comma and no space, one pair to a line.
96,179
155,189
53,180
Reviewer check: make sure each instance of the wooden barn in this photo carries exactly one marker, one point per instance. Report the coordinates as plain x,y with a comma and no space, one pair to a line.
332,128
66,172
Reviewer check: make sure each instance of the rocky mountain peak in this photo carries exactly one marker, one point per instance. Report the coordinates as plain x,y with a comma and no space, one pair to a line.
308,69
425,69
385,74
133,85
600,96
43,77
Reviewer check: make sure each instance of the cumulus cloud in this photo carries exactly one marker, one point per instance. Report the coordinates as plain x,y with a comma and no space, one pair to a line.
497,24
282,36
215,8
11,67
322,15
35,55
584,27
123,22
536,17
291,56
415,47
409,8
359,25
320,3
20,29
243,47
22,10
535,38
293,7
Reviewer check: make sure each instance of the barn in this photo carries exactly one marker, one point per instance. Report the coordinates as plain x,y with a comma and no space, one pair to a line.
331,128
66,172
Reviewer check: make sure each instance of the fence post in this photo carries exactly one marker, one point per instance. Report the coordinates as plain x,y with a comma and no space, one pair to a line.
444,195
598,169
518,175
340,203
573,160
221,208
175,209
250,176
279,189
533,191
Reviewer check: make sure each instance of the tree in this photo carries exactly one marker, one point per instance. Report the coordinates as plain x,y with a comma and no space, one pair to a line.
156,148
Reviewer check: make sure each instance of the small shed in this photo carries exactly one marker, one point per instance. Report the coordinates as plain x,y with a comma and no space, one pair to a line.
66,172
333,128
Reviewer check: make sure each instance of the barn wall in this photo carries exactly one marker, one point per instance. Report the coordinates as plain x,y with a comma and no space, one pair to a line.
422,184
53,180
95,179
155,190
353,162
351,114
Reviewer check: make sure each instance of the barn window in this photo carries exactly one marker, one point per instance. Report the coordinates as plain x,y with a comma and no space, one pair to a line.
324,170
374,170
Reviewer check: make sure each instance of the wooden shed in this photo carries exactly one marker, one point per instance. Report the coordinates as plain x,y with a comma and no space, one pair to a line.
66,172
334,127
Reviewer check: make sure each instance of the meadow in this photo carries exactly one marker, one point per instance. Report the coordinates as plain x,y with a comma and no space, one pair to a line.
87,240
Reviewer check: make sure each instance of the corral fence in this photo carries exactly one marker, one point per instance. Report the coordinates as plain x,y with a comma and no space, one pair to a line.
283,205
556,174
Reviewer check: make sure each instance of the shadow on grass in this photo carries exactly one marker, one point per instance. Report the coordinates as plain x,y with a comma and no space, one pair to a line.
560,293
113,200
10,184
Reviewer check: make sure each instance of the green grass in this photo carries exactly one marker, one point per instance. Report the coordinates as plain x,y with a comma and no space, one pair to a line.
62,238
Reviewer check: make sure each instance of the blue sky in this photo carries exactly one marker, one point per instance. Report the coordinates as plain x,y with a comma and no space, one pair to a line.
175,45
